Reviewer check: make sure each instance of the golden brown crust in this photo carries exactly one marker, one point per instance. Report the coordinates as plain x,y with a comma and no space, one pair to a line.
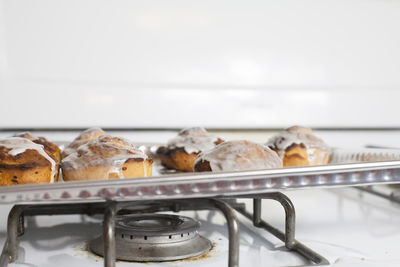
202,166
219,141
24,168
299,146
22,175
132,168
107,157
83,138
51,149
174,156
297,155
177,158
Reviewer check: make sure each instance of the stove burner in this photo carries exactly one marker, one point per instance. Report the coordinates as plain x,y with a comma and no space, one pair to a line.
155,237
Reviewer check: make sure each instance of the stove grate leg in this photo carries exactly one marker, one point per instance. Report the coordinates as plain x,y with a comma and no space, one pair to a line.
14,229
290,222
233,229
109,235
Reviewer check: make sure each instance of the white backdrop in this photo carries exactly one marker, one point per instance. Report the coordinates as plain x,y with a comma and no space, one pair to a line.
219,63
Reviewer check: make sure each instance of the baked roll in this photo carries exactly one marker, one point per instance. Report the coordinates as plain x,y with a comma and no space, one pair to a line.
237,156
106,157
83,138
182,151
52,149
298,146
23,162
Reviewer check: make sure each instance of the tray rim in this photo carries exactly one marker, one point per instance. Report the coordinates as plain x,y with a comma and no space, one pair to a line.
338,174
24,194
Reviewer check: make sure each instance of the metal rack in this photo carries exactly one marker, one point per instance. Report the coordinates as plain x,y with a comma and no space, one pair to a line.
392,195
210,185
110,209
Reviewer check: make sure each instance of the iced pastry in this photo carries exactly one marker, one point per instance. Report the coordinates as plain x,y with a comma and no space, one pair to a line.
106,157
181,152
23,161
52,149
299,146
83,138
237,156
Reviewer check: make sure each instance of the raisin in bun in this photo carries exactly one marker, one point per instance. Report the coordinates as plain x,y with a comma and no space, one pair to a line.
83,138
237,156
104,158
182,151
24,162
298,146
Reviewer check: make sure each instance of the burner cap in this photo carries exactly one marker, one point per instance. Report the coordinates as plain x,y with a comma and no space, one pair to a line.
155,237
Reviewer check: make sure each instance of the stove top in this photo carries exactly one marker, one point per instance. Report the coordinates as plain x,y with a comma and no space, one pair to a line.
349,228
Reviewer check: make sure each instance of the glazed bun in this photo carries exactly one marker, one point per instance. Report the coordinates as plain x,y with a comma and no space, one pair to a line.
106,157
182,151
237,156
298,146
52,149
83,138
23,161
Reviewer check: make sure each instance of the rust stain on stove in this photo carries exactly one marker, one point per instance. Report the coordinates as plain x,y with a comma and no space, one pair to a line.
84,247
204,256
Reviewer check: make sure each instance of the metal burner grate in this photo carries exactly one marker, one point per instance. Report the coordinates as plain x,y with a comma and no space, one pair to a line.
155,237
126,228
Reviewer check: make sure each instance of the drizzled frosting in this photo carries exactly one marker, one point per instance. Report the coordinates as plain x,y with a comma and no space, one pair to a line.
193,140
26,135
239,156
296,135
107,151
300,135
87,135
49,147
90,134
19,145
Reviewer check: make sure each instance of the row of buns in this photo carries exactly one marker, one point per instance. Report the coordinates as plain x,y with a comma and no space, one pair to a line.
96,155
195,149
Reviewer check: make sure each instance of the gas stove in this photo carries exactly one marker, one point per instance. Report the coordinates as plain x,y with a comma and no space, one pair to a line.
341,227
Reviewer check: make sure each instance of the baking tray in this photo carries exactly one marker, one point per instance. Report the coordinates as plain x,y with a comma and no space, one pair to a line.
347,168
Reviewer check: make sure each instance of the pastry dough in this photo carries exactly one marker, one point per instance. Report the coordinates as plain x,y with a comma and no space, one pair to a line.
237,156
298,146
22,162
182,151
106,157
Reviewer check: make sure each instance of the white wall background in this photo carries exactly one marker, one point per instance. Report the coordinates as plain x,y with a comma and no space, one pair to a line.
219,63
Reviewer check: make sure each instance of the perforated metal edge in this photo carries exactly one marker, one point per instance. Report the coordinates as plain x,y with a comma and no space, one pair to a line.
199,185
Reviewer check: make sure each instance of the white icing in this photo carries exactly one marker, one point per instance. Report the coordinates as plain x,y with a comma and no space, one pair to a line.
107,151
286,138
19,145
90,134
239,156
27,135
83,138
193,140
194,131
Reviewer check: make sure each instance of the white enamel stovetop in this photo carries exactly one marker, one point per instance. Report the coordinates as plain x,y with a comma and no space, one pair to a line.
347,227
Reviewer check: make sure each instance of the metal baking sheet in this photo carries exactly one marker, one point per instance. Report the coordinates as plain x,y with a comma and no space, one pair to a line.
347,168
